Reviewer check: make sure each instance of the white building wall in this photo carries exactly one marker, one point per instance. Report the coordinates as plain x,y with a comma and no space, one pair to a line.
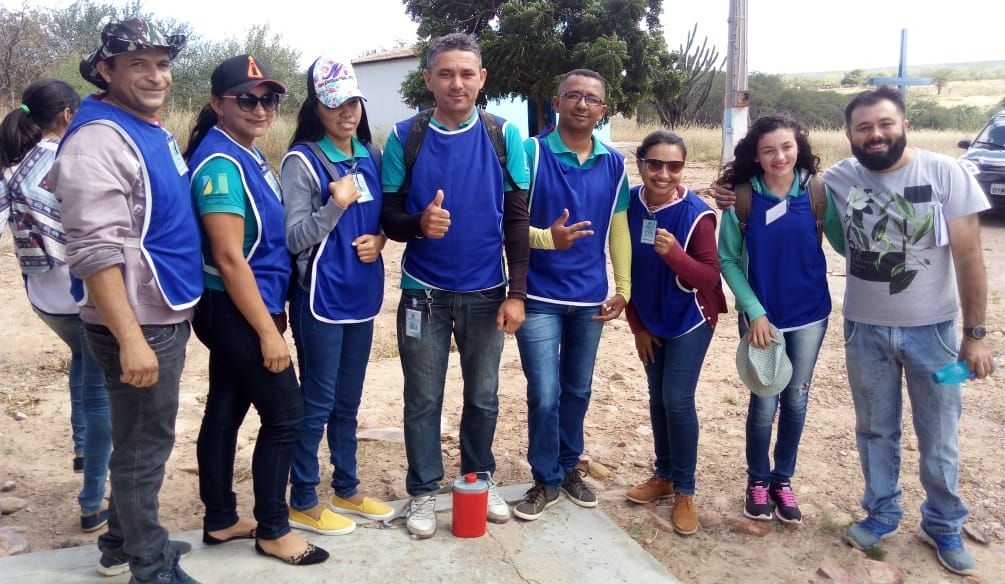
380,82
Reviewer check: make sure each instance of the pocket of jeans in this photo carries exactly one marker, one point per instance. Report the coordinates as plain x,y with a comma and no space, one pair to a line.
497,294
160,336
850,328
945,335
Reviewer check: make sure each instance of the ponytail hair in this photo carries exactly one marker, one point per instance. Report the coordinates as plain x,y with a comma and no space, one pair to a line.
206,119
42,105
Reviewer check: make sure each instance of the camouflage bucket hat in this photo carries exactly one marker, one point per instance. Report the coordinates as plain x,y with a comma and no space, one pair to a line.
124,36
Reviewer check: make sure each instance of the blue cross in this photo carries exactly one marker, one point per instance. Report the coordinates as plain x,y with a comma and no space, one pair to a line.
901,80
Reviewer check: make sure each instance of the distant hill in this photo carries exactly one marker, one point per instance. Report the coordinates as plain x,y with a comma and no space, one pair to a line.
962,71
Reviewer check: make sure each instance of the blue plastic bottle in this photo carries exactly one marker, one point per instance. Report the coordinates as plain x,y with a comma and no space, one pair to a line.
958,372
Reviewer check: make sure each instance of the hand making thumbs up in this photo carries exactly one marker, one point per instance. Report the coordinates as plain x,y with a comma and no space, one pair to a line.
435,219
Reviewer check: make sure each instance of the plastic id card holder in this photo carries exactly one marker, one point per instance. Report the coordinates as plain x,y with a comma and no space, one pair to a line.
413,323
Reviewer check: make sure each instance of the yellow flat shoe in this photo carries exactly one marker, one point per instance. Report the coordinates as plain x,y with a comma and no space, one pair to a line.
370,508
330,523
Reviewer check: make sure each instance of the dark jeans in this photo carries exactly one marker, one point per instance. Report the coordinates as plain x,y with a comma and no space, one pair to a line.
673,379
471,317
332,359
142,438
88,408
238,379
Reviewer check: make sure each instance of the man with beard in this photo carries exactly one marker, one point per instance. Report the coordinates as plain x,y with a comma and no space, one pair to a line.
909,217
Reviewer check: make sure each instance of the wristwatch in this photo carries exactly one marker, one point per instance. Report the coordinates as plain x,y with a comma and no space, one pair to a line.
977,332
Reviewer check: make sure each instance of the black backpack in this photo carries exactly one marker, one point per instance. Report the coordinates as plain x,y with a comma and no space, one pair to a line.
417,133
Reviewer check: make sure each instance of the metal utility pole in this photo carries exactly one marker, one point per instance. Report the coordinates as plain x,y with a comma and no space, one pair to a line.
737,98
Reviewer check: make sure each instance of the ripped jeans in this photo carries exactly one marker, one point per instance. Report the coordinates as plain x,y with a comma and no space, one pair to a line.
802,346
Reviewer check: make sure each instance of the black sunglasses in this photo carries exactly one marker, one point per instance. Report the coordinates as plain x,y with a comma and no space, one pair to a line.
655,164
249,101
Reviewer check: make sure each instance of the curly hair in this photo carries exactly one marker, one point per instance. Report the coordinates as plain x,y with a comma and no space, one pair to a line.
744,165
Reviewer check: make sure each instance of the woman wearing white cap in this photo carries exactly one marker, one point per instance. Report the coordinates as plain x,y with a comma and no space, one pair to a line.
772,260
331,181
241,316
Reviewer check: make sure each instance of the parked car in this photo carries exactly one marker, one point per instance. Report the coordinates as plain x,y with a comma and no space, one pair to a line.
985,158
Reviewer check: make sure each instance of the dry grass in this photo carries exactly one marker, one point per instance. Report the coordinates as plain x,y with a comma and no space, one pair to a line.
705,144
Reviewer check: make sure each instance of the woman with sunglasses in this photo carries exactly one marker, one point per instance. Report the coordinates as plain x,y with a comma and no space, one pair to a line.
776,268
29,136
676,299
331,180
241,316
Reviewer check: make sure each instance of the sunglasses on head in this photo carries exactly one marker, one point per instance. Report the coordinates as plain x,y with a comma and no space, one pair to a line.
249,101
655,164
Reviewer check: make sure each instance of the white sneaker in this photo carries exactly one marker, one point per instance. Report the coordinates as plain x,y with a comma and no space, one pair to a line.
498,510
422,516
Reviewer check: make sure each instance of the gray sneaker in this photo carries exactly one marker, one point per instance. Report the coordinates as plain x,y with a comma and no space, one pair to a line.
538,498
950,551
115,562
173,575
576,488
422,516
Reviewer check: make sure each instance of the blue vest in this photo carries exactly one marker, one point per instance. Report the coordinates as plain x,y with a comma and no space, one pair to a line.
342,288
170,236
464,165
268,257
667,307
786,267
577,275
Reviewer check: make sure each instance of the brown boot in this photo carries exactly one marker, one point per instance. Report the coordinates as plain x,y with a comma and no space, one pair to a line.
651,490
684,516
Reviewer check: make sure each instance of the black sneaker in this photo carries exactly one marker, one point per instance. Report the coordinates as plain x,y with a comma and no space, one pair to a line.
786,507
94,521
115,562
173,575
577,490
538,498
757,502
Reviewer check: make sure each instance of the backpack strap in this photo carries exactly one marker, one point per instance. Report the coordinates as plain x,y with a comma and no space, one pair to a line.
495,131
416,134
320,155
818,202
744,202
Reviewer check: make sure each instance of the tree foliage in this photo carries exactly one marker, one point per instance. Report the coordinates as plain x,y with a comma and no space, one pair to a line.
941,77
854,78
683,83
527,45
24,50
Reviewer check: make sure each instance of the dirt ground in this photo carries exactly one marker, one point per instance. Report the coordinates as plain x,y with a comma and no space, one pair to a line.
36,452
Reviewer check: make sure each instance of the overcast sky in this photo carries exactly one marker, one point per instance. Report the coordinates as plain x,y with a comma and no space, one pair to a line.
784,36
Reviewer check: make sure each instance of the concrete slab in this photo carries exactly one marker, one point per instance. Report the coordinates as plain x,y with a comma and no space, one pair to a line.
568,544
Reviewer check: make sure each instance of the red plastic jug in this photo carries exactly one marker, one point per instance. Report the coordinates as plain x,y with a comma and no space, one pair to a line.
471,502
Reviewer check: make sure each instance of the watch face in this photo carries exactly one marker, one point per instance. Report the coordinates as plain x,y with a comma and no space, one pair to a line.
977,332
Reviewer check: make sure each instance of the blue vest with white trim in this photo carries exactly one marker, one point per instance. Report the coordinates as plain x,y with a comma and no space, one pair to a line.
667,307
786,266
342,288
577,275
268,256
170,235
464,165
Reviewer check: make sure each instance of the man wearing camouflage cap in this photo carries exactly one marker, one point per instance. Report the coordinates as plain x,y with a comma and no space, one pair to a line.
133,249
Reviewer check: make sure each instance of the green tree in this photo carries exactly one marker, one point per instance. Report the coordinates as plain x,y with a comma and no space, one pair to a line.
24,50
854,78
941,77
527,45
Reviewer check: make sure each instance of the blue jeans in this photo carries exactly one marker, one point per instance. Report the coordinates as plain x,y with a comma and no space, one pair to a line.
558,348
471,318
877,357
89,415
142,439
332,360
673,379
802,346
237,380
